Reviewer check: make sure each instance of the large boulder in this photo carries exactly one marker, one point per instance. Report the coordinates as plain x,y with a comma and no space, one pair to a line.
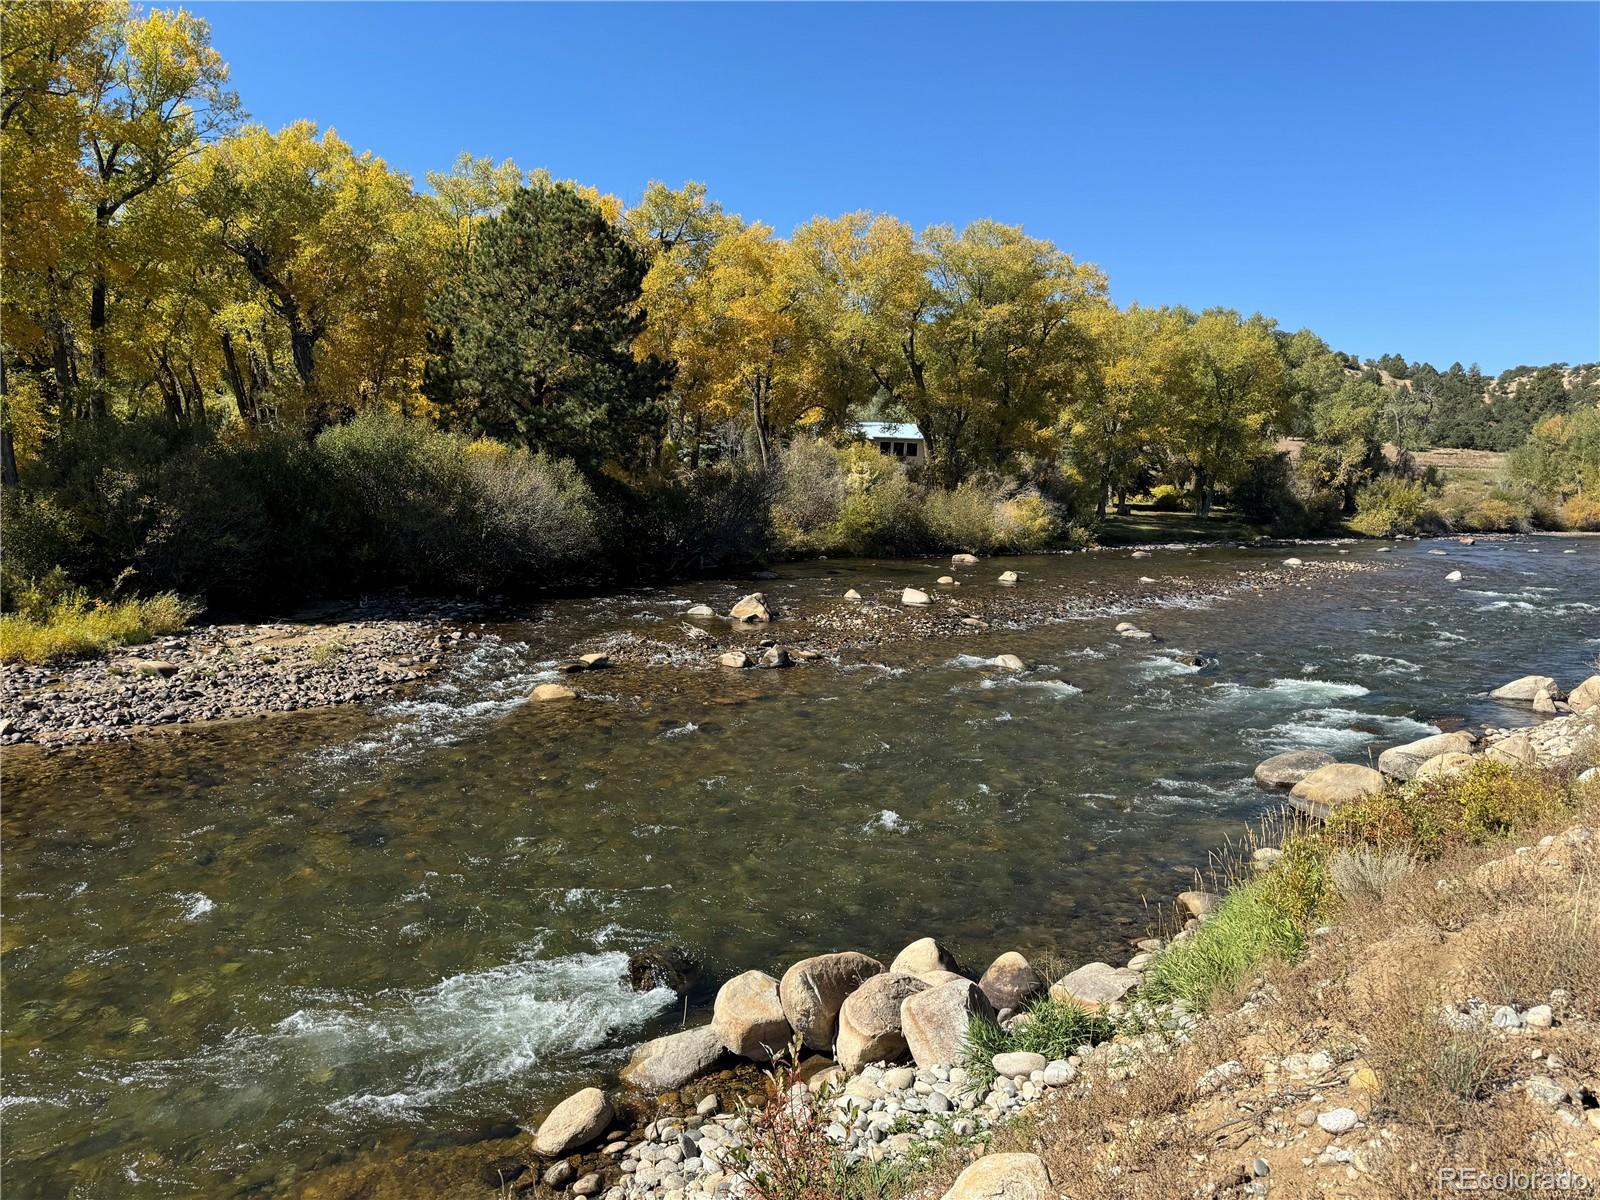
1401,762
1003,1177
1326,788
869,1020
964,560
574,1123
1094,985
1010,982
915,597
1517,750
813,990
667,1063
1009,662
751,610
925,955
935,1021
1442,767
1289,768
748,1016
1585,696
1526,688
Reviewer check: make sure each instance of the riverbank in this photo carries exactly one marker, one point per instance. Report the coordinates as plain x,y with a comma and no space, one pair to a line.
352,653
1309,1061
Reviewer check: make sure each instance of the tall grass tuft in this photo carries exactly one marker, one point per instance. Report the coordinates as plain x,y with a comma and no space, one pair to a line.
46,628
1247,929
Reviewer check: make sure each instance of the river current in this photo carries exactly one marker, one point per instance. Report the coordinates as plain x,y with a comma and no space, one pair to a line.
239,954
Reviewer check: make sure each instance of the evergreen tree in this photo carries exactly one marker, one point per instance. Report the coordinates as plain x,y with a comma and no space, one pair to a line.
534,341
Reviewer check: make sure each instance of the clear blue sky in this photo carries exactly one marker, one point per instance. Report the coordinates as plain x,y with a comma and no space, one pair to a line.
1420,178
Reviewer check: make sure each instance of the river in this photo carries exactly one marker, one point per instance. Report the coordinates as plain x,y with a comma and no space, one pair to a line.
238,954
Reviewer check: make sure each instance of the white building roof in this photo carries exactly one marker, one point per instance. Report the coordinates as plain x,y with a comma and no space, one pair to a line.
902,431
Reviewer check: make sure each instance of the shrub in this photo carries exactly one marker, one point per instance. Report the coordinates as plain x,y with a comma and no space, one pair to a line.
1490,799
1053,1028
1297,884
882,511
1167,499
533,517
1499,513
811,489
50,623
785,1153
1247,930
1363,874
1392,819
962,518
1026,524
1581,512
1391,505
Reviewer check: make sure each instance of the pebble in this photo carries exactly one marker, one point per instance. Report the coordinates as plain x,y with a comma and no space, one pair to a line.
1337,1120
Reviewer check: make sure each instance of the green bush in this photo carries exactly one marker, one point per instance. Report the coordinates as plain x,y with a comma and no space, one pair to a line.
1390,505
1167,499
1053,1028
811,491
1247,930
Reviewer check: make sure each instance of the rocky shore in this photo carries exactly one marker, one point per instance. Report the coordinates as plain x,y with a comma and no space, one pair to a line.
341,655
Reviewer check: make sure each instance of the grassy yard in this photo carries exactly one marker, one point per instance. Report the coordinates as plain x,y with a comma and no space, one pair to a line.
1145,524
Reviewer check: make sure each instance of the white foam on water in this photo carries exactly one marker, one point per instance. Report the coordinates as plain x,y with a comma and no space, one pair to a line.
195,905
397,1052
1059,689
1294,691
487,682
887,819
969,661
1157,666
1330,729
680,731
1387,665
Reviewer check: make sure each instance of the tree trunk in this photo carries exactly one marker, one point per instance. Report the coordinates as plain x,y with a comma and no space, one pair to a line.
1202,493
8,450
1102,500
1122,502
237,383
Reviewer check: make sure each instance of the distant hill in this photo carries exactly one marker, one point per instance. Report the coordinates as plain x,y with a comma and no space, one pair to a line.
1466,409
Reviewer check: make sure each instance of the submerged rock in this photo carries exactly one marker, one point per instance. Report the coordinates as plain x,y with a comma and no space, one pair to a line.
663,965
553,691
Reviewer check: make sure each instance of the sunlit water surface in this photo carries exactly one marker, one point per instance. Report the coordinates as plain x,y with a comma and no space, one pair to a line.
236,955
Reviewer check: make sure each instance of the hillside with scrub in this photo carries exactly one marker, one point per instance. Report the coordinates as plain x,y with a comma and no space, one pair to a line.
244,367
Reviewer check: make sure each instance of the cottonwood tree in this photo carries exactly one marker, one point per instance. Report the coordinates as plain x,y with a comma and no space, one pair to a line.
534,340
1225,380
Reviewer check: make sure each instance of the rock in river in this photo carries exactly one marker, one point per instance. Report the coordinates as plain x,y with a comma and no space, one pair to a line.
553,691
1401,762
663,965
1326,788
1289,768
813,990
1526,688
748,1016
1585,696
751,610
665,1064
1009,662
738,660
963,560
914,596
574,1123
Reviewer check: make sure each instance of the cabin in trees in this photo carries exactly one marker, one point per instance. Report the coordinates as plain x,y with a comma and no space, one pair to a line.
901,439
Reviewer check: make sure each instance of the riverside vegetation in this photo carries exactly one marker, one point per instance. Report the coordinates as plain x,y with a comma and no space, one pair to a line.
1360,1005
247,367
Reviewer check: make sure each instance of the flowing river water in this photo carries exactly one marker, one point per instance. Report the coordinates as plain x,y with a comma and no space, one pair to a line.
236,955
